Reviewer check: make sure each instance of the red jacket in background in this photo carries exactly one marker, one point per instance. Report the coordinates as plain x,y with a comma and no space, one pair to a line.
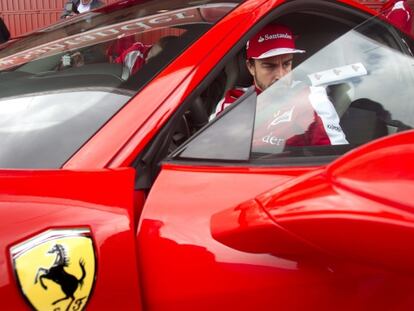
134,57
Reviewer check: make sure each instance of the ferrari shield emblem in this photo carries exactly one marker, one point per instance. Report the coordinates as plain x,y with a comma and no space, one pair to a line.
56,269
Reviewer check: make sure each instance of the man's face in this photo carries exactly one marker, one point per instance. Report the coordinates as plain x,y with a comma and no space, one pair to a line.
267,71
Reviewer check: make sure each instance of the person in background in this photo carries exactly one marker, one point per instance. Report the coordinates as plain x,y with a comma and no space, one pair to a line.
4,32
398,13
73,7
134,57
307,117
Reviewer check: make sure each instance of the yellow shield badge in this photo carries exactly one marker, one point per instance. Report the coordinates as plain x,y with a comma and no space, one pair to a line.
56,269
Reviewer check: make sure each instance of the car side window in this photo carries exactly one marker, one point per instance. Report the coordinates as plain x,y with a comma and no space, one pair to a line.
236,139
352,87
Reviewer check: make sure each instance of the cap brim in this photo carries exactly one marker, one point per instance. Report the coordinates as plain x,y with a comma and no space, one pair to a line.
279,51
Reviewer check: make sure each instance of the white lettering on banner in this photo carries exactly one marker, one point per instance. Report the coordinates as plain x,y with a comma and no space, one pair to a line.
183,16
135,26
78,40
87,38
105,32
34,54
54,47
7,62
102,34
159,20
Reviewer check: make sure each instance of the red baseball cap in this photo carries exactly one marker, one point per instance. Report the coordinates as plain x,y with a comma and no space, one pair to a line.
272,40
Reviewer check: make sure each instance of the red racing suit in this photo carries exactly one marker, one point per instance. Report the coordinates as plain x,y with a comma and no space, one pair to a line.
303,117
398,13
134,57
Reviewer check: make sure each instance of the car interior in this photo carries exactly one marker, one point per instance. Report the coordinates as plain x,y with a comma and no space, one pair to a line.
362,119
235,74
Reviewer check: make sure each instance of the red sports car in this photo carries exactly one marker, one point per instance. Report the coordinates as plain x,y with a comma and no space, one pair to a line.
118,191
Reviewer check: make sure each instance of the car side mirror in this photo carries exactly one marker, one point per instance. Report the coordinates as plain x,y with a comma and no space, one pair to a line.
4,32
359,208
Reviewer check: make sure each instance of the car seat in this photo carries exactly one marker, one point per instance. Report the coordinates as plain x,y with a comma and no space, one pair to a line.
234,74
364,120
237,74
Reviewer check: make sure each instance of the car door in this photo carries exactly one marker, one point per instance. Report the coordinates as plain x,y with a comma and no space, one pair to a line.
68,240
220,169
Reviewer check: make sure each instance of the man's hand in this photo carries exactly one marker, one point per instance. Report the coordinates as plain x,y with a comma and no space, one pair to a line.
70,15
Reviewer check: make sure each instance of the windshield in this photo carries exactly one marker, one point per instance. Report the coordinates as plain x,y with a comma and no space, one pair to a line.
60,85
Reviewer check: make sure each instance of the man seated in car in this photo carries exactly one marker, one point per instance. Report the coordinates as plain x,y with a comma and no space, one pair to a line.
296,114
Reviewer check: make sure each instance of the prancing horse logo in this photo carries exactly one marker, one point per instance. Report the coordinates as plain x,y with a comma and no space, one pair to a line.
55,270
68,283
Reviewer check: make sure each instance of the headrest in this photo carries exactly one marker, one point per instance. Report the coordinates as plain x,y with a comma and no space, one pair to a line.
237,72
